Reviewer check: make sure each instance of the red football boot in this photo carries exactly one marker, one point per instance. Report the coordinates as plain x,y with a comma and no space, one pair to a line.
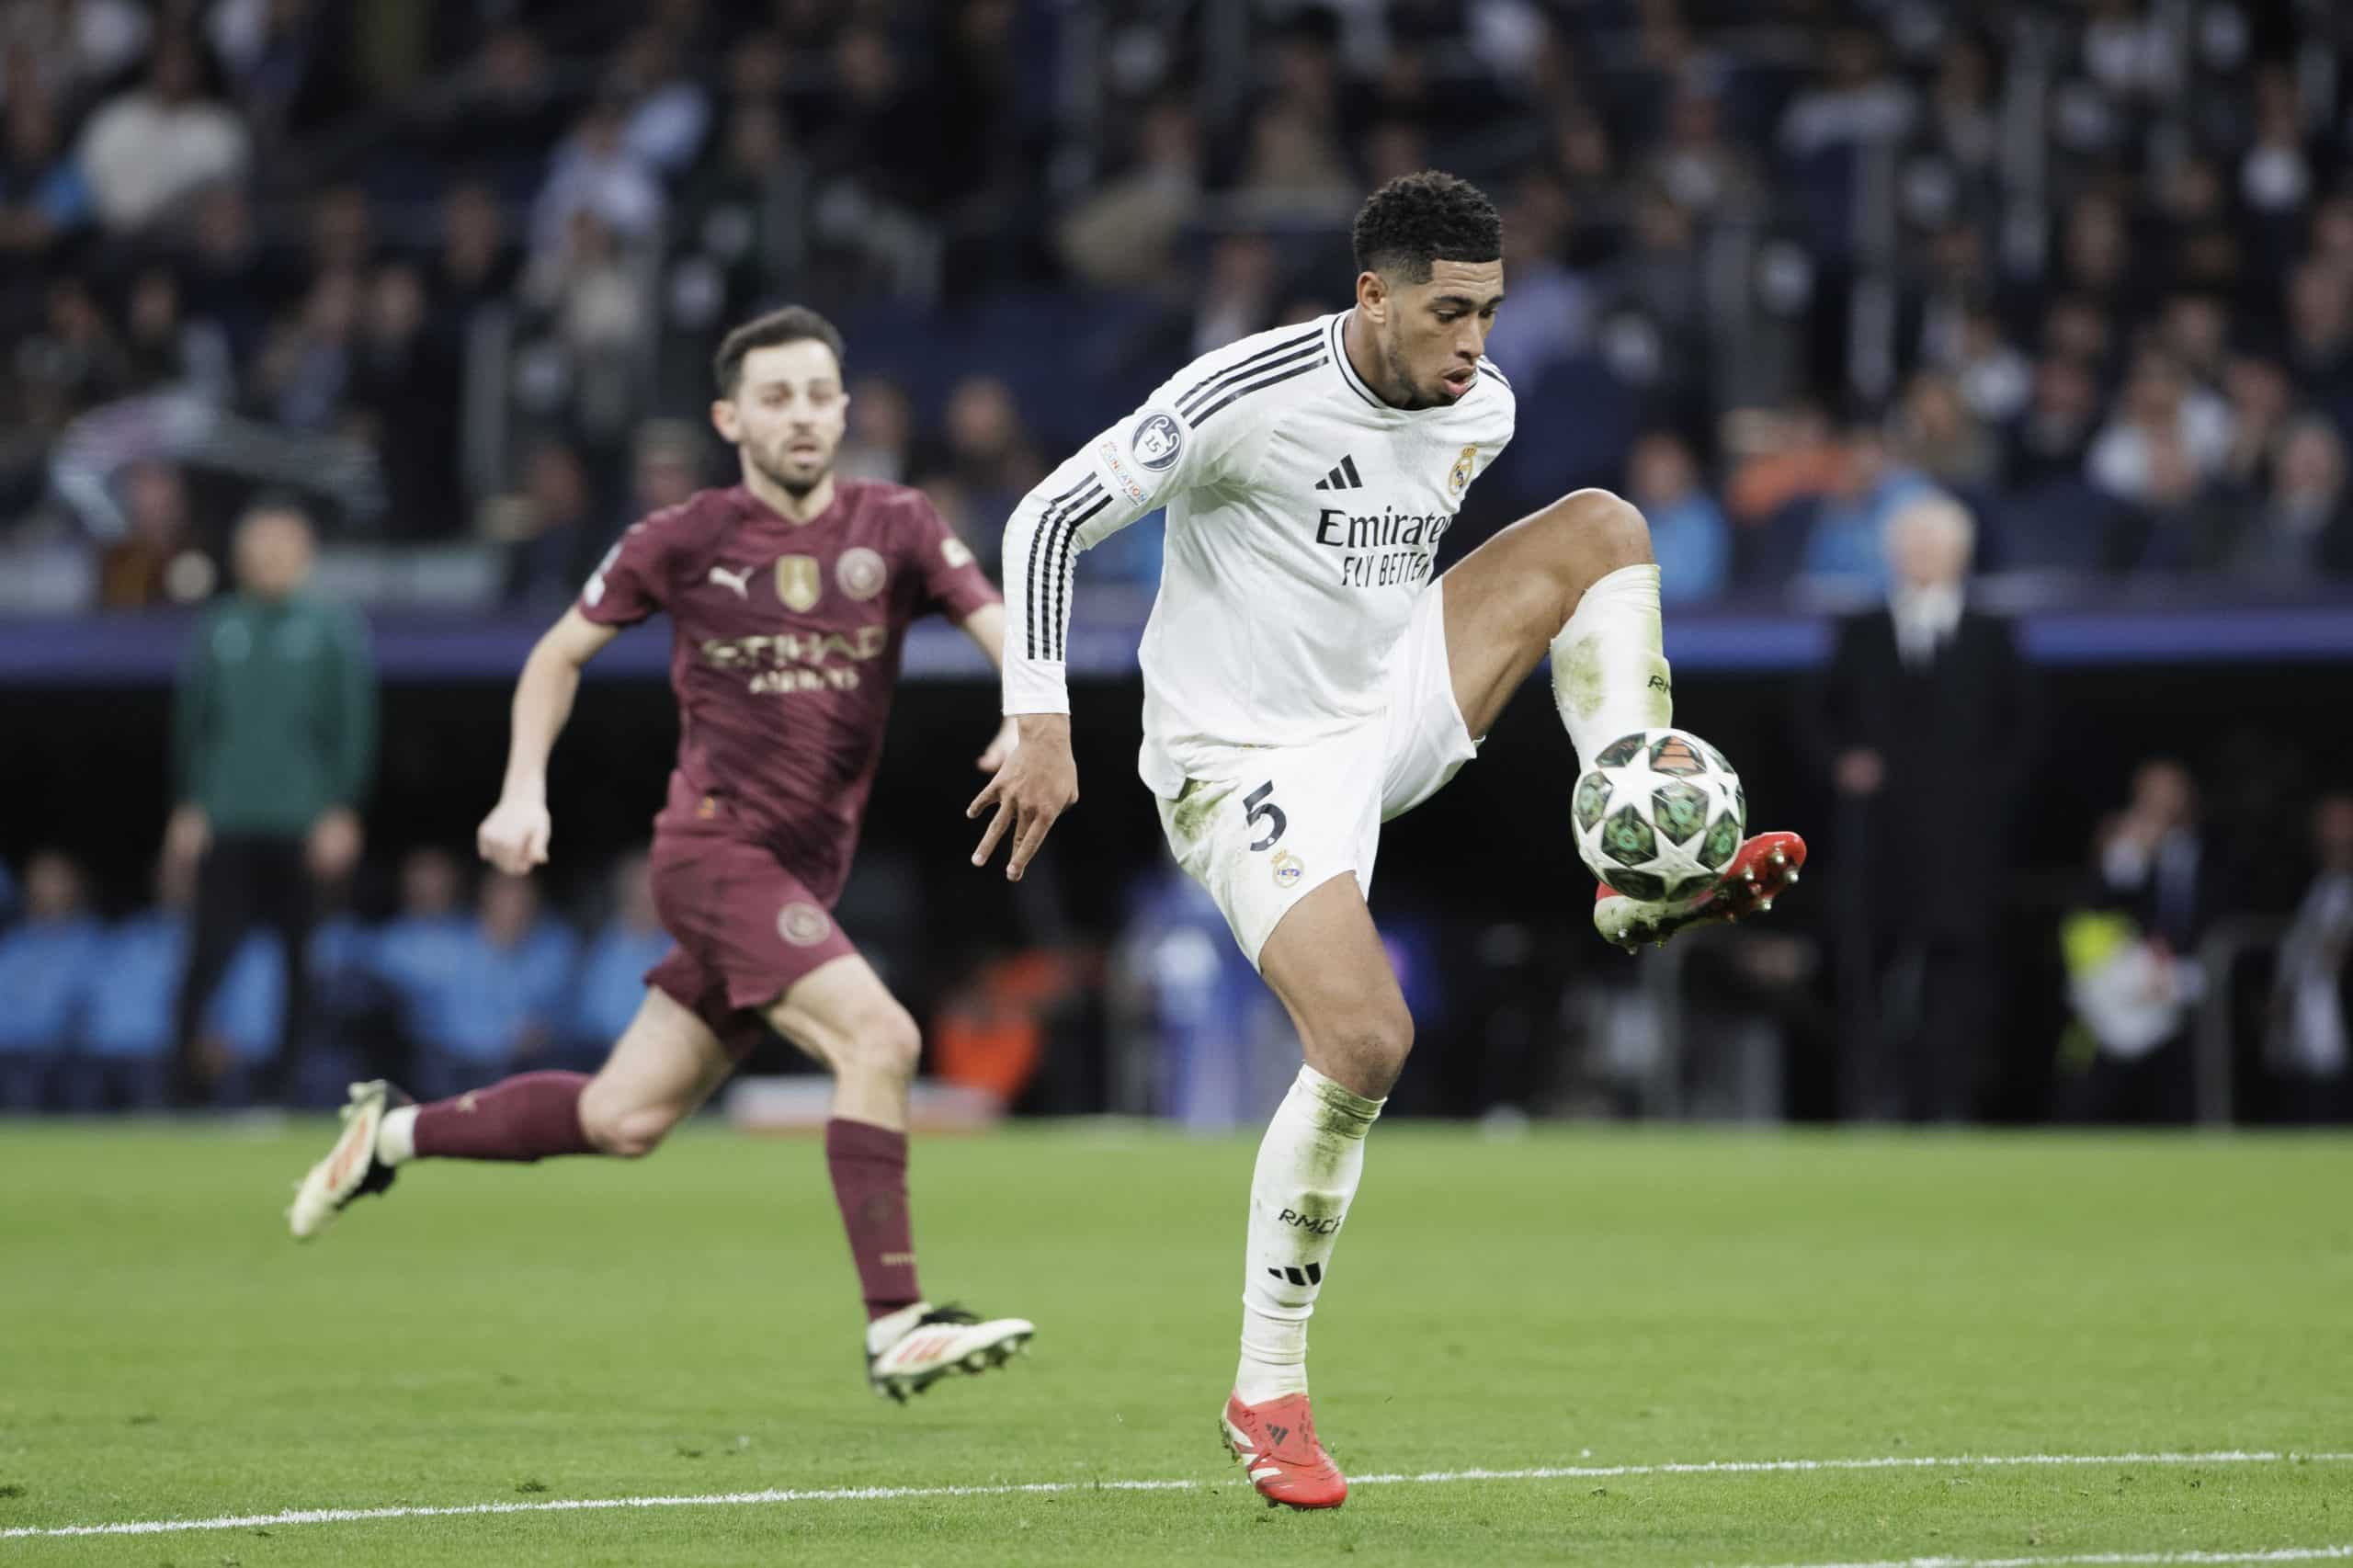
1758,873
1276,1443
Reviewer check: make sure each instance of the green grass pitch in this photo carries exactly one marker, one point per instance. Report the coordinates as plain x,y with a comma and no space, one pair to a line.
1574,1299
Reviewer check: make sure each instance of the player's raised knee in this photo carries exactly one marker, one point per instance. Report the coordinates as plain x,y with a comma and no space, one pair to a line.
1600,531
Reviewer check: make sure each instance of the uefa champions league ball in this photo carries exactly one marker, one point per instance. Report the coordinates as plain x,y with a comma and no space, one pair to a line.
1659,814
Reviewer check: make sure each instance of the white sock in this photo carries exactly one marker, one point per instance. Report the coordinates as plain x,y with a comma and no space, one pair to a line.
1306,1177
396,1135
1609,677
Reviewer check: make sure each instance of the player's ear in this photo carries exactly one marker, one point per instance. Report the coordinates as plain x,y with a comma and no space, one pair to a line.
1373,295
723,419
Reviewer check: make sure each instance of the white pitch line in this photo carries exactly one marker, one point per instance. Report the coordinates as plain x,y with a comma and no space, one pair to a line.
2267,1554
1048,1488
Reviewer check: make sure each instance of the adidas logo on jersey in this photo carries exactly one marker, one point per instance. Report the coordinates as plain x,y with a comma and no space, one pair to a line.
1344,477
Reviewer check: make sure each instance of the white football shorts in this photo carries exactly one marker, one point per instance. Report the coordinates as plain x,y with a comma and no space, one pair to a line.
1261,828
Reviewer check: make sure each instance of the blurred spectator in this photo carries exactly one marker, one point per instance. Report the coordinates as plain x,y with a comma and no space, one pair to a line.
665,469
989,455
423,939
2056,431
550,528
165,349
477,265
880,440
1552,304
44,196
305,369
502,112
596,297
1996,379
1937,434
2261,399
2301,528
666,111
147,149
1699,170
158,561
1238,292
597,172
273,736
1124,233
342,231
282,61
1689,535
126,1038
2320,333
741,214
1847,545
2167,435
498,997
612,971
66,48
2133,978
75,355
2310,1041
404,386
43,966
224,275
1924,718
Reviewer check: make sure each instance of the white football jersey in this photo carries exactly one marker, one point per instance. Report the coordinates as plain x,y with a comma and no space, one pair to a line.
1304,517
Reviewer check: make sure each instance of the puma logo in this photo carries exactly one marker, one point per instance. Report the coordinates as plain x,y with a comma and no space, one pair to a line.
739,581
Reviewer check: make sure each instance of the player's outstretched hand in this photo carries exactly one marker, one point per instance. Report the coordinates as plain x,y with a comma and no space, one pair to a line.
1009,735
1037,784
514,837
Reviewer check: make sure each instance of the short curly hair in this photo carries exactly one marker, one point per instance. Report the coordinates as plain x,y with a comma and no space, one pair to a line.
1416,219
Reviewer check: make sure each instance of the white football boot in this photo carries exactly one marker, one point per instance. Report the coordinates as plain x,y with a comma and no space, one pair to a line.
911,1349
351,1169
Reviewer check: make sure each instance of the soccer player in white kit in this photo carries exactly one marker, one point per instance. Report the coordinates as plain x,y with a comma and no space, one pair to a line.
1305,680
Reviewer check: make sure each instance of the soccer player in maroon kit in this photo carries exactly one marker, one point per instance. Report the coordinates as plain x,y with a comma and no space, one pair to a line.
790,597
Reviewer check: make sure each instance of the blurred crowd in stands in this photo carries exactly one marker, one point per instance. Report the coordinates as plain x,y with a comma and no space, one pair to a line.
452,267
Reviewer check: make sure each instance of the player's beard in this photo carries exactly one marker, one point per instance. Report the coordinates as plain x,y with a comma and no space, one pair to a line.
1401,376
789,480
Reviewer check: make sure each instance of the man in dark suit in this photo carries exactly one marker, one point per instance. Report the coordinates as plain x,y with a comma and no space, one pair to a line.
1924,721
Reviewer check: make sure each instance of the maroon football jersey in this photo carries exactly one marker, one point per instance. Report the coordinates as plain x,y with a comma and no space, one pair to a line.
785,641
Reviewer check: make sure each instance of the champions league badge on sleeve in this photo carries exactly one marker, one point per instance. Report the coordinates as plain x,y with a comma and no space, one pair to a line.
1157,440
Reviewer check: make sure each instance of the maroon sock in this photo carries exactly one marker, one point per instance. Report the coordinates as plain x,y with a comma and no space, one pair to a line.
869,1164
524,1117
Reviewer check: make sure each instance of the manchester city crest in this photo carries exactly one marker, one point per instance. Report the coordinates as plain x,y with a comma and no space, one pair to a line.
802,925
861,573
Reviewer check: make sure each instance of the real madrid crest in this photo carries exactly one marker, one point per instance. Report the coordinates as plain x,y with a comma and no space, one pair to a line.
797,583
1458,478
1288,868
861,573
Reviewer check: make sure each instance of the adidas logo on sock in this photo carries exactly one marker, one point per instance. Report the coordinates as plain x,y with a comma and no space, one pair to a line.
1344,477
1314,1275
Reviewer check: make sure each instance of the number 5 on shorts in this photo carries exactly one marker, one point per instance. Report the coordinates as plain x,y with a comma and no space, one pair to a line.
1257,805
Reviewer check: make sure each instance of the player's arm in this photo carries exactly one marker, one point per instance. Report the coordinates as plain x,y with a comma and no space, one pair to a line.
986,627
1123,474
514,837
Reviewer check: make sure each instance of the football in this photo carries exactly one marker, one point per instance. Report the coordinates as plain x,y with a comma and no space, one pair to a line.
1659,814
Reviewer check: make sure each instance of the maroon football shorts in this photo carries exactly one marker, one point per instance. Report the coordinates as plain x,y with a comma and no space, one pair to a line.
746,930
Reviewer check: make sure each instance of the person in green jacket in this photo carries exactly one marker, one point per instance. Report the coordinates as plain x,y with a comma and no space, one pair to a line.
274,745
